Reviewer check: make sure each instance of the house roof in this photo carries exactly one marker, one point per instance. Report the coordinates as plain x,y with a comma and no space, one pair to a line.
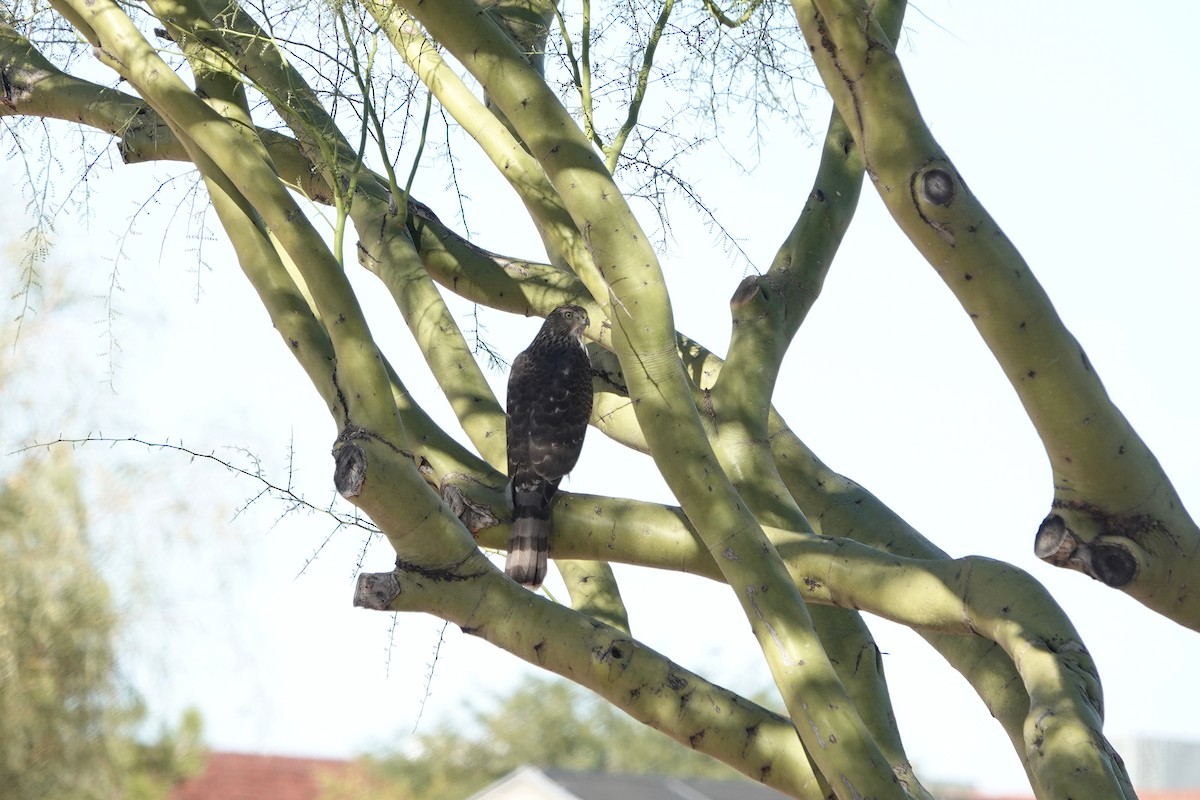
524,783
599,786
557,784
249,776
531,783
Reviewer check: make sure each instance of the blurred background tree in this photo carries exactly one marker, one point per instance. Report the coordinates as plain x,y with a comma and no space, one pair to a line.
69,725
546,722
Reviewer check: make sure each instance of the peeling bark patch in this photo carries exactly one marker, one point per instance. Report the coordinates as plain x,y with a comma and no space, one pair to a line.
770,628
475,516
827,44
676,682
816,730
449,574
1040,727
709,411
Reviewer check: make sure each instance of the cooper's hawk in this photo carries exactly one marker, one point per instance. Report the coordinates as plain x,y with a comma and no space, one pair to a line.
549,402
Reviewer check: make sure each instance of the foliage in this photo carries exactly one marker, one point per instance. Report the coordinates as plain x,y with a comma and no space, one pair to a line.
544,722
68,724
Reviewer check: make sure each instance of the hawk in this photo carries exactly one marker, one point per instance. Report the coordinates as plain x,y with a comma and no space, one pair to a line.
549,402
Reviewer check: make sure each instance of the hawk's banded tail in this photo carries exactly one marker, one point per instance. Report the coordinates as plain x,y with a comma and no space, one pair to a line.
529,538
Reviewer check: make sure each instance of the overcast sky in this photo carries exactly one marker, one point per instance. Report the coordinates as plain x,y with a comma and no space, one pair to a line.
1074,125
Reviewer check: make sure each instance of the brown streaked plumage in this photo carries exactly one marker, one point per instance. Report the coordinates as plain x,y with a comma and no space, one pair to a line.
549,402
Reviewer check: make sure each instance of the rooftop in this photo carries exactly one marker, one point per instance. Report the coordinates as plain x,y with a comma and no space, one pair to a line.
250,776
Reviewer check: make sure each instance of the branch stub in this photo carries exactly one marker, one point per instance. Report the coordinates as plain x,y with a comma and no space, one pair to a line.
350,470
938,187
1113,565
376,590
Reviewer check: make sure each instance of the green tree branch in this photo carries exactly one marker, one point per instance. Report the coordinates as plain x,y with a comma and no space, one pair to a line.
832,731
612,153
1119,517
648,686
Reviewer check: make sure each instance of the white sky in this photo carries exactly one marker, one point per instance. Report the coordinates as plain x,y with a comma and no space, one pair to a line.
1074,125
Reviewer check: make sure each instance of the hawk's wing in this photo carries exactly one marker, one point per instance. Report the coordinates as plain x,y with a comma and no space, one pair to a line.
549,402
522,397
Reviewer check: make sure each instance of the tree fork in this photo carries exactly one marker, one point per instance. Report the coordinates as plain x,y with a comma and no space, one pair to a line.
1098,460
644,338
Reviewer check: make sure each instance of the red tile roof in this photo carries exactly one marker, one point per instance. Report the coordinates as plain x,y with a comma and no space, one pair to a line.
246,776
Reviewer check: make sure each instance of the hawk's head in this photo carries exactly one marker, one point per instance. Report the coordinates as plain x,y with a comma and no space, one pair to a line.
566,321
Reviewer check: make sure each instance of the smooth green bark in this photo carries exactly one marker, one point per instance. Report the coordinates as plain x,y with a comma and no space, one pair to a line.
1125,523
1060,391
645,684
